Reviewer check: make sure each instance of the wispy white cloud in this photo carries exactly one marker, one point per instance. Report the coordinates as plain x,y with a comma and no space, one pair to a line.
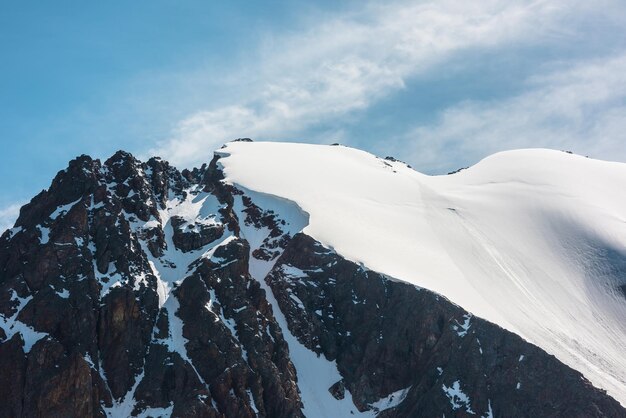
8,216
581,108
347,63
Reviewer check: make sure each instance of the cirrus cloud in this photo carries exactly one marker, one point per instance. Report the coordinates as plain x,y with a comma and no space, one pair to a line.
346,64
582,109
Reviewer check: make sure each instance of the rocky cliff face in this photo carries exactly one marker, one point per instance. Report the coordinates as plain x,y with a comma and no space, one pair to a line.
130,288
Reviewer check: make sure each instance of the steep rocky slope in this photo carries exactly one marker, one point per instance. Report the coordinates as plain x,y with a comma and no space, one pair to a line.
131,288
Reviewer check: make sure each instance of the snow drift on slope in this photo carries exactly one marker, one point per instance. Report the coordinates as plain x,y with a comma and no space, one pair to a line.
532,240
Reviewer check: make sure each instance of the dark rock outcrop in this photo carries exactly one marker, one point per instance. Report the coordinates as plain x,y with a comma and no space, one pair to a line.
387,336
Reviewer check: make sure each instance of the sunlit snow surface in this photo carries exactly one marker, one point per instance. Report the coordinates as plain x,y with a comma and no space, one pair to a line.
532,240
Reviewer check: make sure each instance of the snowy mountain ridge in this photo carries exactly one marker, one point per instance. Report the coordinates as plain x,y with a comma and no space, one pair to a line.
290,280
532,240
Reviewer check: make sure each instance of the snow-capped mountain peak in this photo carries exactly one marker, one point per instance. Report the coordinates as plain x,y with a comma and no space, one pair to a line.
291,280
532,240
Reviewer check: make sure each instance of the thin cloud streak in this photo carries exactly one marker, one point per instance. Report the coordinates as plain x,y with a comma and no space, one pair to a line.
349,63
582,109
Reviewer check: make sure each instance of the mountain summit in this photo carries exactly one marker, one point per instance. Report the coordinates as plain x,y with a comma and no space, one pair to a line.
288,280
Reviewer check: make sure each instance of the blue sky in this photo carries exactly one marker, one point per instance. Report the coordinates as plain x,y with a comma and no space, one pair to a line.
439,84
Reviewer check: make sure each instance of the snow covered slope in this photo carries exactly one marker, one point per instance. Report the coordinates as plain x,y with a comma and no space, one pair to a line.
532,240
